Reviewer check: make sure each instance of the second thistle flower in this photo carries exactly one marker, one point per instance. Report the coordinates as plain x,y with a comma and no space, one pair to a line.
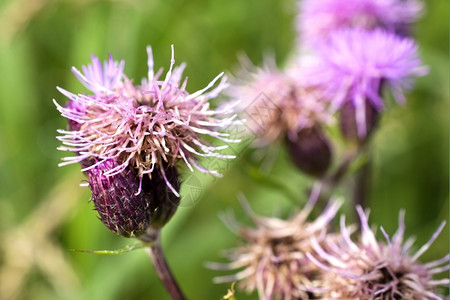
278,105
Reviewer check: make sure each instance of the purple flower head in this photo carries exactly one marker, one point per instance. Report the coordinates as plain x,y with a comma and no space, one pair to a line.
276,103
355,65
319,18
372,269
145,127
273,259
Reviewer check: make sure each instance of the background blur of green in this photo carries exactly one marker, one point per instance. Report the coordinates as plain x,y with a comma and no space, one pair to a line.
43,211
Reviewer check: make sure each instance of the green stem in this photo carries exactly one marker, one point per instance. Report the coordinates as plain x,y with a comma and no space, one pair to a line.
162,268
362,184
332,181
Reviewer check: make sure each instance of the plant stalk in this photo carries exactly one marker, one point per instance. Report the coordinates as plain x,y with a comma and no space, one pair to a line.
362,184
156,254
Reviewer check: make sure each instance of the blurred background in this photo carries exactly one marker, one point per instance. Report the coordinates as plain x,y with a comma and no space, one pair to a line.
43,211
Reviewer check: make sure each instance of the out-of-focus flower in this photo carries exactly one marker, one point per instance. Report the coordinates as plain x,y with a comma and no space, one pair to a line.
356,65
276,103
319,18
371,269
273,259
143,127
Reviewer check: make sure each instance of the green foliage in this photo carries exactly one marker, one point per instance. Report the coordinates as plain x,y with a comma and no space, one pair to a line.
41,40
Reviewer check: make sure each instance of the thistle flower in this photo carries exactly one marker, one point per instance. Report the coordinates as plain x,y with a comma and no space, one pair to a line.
356,65
130,138
144,127
319,18
371,269
278,106
275,103
273,259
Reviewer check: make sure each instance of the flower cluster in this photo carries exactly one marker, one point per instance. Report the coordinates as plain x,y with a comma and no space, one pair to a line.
351,53
123,131
130,140
305,259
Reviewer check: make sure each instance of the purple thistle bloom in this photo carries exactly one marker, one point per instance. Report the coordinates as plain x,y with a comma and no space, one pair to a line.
356,64
382,270
273,259
319,18
142,128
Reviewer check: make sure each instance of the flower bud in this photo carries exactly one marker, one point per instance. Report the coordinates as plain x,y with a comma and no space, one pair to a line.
351,128
126,209
310,151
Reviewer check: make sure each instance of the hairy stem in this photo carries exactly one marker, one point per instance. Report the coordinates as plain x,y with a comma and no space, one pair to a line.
156,254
